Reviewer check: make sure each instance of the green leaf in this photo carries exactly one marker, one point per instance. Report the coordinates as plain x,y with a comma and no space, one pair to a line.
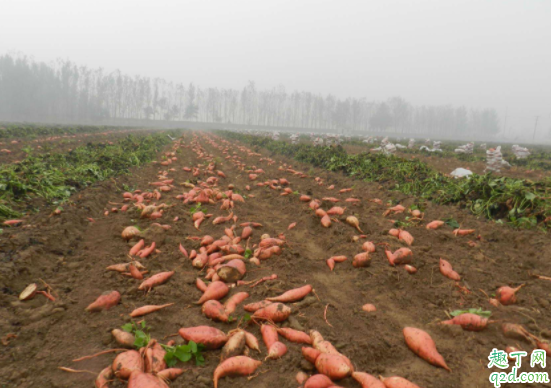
452,223
169,359
248,254
530,196
247,317
199,359
193,346
478,311
128,327
182,355
143,324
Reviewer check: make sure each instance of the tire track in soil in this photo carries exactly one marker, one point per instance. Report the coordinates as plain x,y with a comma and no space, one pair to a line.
372,341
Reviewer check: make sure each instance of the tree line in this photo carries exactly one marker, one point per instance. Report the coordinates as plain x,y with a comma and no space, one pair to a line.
33,91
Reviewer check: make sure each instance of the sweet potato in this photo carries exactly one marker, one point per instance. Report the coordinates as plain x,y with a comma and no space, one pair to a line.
155,280
515,331
210,337
293,295
137,247
170,373
421,343
134,272
275,312
139,379
147,251
104,377
235,345
336,211
401,256
333,366
200,285
126,362
463,232
235,366
130,232
394,232
105,301
507,295
234,300
367,380
269,335
434,225
544,345
406,237
368,246
447,270
276,350
264,254
353,221
398,382
296,336
215,290
468,321
301,377
330,263
144,310
252,307
154,361
410,269
200,260
247,232
318,381
214,310
123,338
369,308
310,354
361,260
325,221
233,271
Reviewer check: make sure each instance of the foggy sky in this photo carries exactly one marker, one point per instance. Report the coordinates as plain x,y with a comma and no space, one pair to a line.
477,53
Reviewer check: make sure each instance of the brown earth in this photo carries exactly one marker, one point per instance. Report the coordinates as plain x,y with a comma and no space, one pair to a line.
70,254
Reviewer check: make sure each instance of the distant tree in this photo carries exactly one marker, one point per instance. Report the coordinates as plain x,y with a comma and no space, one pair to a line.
382,119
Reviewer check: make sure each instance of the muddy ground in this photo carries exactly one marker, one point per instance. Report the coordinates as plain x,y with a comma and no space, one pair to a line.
71,253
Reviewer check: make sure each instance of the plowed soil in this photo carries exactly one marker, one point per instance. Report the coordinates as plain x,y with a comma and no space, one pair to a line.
70,253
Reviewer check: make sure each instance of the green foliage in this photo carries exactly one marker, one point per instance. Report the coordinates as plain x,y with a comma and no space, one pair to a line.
478,311
184,353
55,176
140,331
195,209
248,253
32,131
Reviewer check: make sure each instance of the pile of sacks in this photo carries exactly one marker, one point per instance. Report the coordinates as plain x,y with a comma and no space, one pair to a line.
520,152
435,147
465,149
494,160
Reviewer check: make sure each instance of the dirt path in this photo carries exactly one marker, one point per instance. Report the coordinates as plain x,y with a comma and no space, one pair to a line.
71,254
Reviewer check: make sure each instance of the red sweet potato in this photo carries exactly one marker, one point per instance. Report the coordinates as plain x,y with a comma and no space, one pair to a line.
421,343
105,301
